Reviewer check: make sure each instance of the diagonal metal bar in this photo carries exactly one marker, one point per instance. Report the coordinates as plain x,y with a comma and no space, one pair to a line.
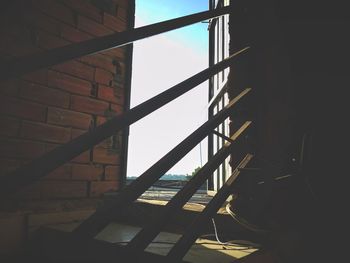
95,223
147,234
181,247
62,54
60,155
222,135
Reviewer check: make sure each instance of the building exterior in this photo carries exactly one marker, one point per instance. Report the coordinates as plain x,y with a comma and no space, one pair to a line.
51,106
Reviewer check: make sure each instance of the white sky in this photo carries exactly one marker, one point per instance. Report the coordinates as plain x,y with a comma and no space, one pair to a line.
159,63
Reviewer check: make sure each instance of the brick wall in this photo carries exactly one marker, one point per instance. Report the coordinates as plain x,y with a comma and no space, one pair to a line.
44,109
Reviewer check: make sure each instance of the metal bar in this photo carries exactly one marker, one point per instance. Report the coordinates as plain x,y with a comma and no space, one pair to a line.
37,61
60,155
127,97
147,234
181,247
222,136
96,222
218,95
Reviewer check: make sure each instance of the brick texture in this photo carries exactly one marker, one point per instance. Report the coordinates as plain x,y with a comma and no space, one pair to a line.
112,173
69,83
88,105
46,108
105,156
104,77
44,95
90,26
61,173
45,132
60,189
99,188
76,69
22,109
39,76
21,149
68,118
87,172
74,35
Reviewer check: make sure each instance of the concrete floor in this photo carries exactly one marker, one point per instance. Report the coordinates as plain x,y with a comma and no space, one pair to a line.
203,251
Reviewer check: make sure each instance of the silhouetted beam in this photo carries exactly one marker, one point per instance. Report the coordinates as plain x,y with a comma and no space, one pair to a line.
96,222
181,247
147,234
62,154
34,62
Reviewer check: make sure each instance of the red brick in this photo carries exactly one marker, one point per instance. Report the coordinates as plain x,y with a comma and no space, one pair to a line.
99,188
83,7
118,109
123,3
82,158
105,156
47,41
39,76
56,10
59,189
118,52
103,77
92,27
100,120
87,172
61,173
76,133
9,126
76,69
122,13
21,149
112,173
73,34
68,118
108,94
100,61
114,23
8,166
69,83
22,109
44,95
107,143
45,132
88,105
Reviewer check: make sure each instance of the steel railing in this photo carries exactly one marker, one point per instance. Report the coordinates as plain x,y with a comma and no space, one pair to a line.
60,155
34,62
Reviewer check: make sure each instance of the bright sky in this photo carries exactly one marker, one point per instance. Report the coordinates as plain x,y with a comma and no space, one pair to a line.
159,63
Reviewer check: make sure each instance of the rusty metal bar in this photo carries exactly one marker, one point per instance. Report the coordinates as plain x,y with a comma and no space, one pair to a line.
95,223
147,234
34,62
181,247
60,155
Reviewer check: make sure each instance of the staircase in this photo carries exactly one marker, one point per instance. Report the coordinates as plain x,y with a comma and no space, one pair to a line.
82,243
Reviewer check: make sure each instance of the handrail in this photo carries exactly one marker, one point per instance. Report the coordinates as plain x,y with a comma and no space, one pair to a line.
148,233
181,247
97,221
60,155
51,57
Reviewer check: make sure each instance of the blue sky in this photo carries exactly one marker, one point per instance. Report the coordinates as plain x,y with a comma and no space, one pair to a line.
160,62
